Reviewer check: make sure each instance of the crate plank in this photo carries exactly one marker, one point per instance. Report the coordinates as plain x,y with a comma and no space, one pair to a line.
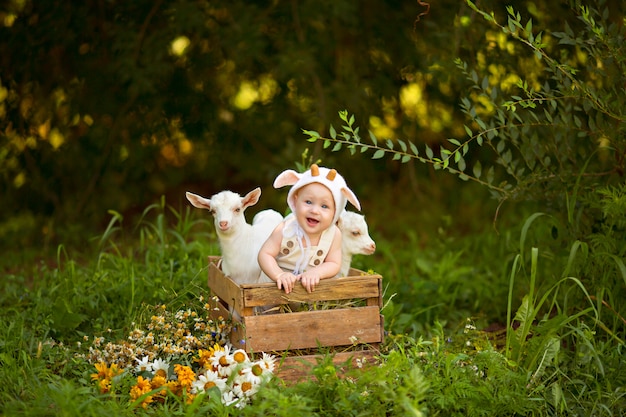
292,369
225,288
342,288
311,329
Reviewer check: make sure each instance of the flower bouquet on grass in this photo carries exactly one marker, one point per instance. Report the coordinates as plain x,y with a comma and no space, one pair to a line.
181,355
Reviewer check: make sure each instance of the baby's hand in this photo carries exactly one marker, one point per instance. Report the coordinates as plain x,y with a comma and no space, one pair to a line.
309,281
285,281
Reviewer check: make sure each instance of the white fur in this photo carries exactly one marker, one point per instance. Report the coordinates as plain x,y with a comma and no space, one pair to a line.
355,239
239,241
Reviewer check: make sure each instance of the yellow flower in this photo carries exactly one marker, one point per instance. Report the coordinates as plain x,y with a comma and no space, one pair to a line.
114,371
174,387
203,358
215,348
143,387
158,381
104,385
185,374
103,371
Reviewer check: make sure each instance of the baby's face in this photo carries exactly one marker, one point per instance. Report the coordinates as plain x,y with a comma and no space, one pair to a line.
315,208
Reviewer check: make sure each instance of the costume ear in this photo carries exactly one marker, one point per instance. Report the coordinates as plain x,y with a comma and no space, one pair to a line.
288,177
199,201
351,197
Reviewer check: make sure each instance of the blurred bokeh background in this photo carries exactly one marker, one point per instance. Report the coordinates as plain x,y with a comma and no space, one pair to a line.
108,105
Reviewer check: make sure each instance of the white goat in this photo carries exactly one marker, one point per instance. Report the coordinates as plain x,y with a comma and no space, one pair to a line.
239,241
355,239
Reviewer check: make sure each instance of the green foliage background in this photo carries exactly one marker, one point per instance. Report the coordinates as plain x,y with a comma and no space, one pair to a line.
107,106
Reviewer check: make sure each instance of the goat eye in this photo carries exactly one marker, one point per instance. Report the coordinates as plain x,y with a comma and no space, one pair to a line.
356,233
237,210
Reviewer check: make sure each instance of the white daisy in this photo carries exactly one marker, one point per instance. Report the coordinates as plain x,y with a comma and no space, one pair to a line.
223,362
240,356
143,365
268,362
161,367
243,387
229,398
208,380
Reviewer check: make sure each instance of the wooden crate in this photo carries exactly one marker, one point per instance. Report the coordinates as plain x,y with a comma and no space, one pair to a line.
342,327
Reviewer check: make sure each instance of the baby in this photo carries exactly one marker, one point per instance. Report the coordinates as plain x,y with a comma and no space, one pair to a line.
306,246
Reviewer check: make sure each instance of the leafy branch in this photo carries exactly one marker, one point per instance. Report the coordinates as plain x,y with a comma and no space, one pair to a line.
538,136
451,160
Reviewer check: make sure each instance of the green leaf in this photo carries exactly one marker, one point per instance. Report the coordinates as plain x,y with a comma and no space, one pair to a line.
373,138
529,26
490,175
454,142
402,145
461,164
364,148
478,169
337,147
389,143
405,159
311,133
326,143
468,131
378,154
396,156
414,149
333,132
429,152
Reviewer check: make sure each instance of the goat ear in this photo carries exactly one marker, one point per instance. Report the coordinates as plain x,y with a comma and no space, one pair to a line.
251,198
339,222
351,197
288,177
198,201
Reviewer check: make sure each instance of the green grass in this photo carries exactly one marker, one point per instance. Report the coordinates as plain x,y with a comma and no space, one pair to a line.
551,296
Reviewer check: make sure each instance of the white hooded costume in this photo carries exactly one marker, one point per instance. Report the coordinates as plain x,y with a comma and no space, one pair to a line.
294,256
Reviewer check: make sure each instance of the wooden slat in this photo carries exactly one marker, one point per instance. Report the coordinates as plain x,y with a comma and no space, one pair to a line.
292,369
342,288
311,329
225,288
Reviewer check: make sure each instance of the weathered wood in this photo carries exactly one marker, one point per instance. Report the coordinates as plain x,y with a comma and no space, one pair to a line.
342,288
310,329
344,327
225,288
293,369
